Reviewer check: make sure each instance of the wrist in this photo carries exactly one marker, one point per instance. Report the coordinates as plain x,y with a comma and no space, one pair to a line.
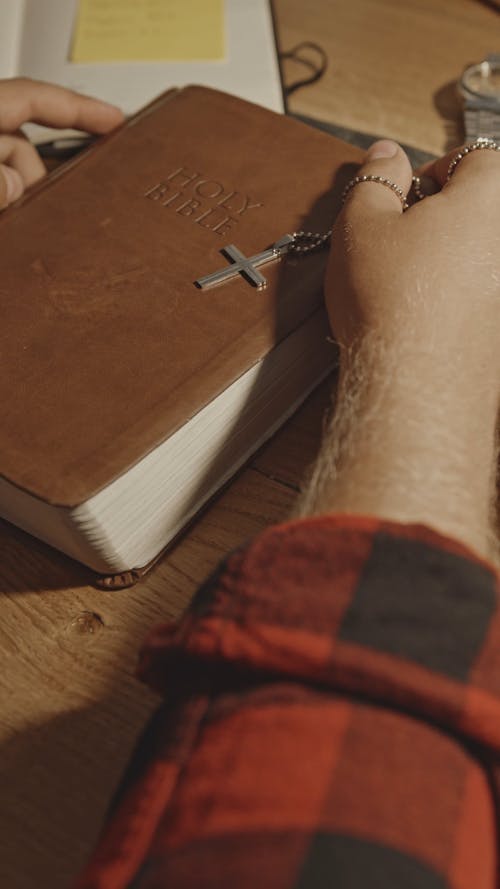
446,362
413,439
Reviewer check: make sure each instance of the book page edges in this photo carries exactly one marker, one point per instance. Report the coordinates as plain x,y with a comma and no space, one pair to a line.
101,533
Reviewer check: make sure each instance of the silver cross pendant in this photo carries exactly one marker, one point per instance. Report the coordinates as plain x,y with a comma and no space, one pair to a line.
246,265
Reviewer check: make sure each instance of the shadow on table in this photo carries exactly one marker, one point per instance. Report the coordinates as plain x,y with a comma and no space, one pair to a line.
28,565
57,779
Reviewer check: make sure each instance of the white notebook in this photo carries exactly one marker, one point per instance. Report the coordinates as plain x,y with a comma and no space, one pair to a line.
36,38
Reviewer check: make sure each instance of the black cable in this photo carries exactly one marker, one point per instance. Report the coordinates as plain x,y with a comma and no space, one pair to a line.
316,67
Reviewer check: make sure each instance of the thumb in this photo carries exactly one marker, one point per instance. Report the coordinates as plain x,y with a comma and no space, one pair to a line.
11,186
371,198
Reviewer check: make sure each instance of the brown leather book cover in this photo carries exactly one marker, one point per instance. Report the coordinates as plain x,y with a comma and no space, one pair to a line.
107,346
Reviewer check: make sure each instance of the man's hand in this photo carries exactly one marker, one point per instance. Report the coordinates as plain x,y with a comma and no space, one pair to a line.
414,301
23,101
434,268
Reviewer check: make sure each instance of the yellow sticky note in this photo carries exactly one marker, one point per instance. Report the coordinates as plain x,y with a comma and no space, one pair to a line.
148,30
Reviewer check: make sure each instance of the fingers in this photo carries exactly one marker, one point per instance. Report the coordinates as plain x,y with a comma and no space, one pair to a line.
17,152
20,166
23,100
478,166
388,160
11,186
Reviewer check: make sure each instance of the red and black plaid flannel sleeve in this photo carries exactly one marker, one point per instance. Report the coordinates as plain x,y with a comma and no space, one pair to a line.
331,719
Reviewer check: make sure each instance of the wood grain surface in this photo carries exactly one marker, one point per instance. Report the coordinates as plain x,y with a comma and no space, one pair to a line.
70,705
392,64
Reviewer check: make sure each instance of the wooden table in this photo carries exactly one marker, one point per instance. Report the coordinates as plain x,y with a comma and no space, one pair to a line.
70,706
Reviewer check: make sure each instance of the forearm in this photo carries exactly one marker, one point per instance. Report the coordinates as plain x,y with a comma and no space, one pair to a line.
301,703
412,439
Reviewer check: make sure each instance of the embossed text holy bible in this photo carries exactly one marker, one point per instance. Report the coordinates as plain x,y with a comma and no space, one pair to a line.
130,390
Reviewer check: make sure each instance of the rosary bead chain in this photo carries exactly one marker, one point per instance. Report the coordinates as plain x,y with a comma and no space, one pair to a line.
381,180
306,242
480,143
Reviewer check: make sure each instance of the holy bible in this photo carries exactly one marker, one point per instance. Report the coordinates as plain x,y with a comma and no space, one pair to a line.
131,388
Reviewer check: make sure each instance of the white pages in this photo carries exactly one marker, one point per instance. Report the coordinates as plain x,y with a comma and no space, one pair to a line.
127,523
